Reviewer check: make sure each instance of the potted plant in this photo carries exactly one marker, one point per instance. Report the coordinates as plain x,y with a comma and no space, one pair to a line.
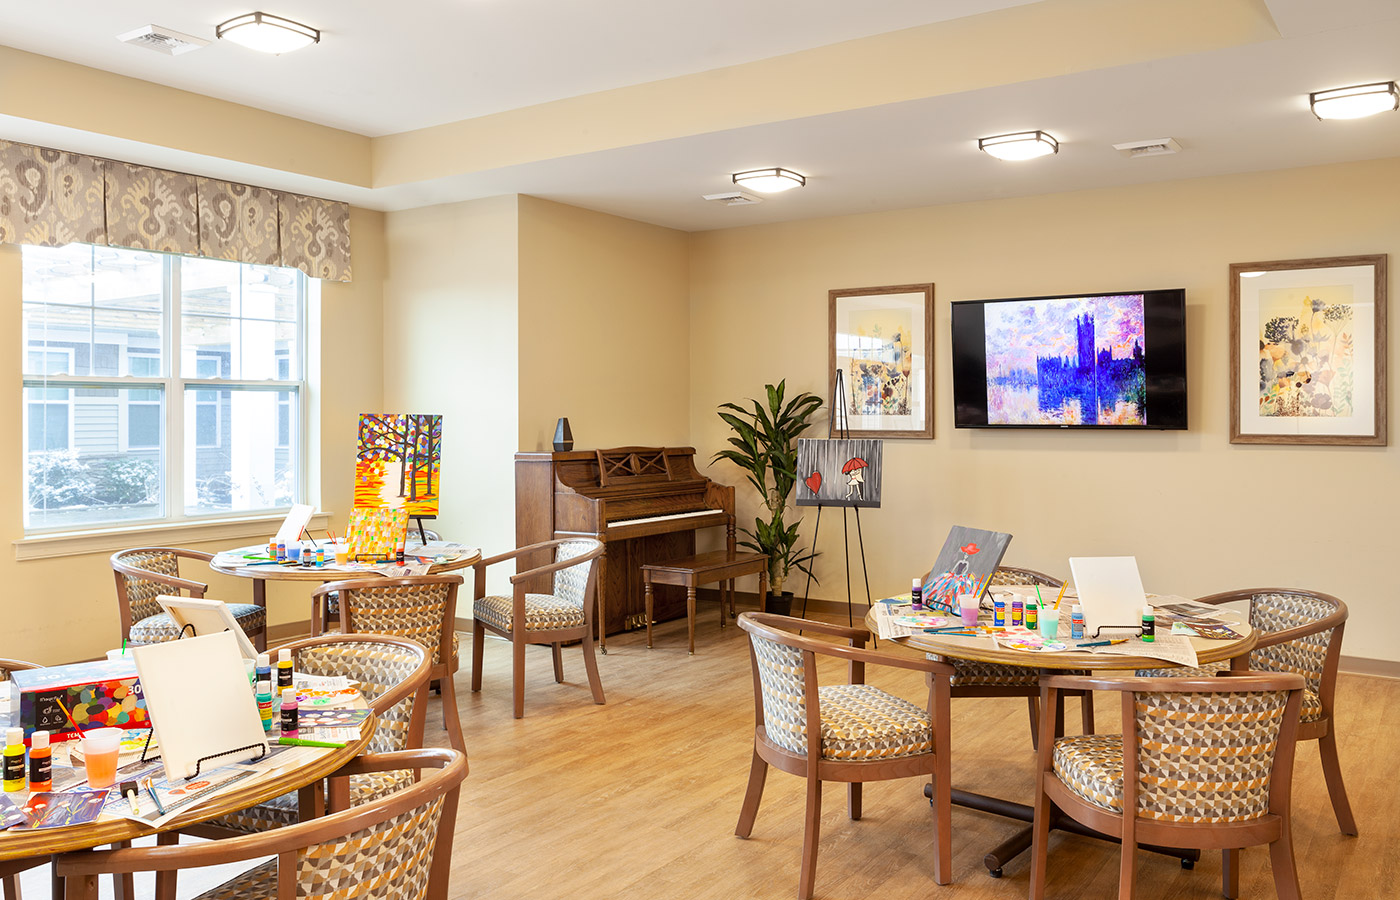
765,447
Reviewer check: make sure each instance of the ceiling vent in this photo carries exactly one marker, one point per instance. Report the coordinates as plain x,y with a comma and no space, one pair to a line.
734,198
163,40
1157,147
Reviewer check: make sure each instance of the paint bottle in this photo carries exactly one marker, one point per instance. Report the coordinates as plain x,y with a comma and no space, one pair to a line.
272,549
320,557
1032,615
399,552
1149,624
265,703
1017,611
998,612
40,762
916,594
14,759
262,669
284,669
1076,622
281,551
289,712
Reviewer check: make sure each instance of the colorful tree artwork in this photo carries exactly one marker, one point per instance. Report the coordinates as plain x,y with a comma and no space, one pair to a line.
399,462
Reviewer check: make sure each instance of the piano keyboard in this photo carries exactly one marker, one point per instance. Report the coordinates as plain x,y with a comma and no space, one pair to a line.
684,515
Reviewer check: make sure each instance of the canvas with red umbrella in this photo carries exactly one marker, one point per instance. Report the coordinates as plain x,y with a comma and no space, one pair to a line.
839,472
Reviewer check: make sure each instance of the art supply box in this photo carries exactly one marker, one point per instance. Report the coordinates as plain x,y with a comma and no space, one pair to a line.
98,694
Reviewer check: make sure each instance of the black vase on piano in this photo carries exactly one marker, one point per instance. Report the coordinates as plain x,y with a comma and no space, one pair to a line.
563,436
644,503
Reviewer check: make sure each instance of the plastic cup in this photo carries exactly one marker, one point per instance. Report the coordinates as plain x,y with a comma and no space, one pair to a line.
119,655
100,746
250,668
967,608
294,550
1049,623
342,552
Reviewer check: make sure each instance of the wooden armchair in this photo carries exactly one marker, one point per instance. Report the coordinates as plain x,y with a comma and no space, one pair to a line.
422,608
847,732
564,615
1300,632
144,573
399,846
1211,763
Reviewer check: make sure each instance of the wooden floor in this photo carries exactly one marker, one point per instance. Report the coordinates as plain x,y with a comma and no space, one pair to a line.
638,798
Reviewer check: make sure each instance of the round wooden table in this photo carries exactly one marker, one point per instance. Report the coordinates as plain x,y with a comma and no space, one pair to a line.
985,649
42,842
261,575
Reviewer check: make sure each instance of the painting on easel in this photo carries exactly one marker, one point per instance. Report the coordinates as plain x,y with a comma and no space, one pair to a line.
839,472
399,462
966,562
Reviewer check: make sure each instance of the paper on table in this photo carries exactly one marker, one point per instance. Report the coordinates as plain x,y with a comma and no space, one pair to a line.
1170,647
308,681
177,796
887,613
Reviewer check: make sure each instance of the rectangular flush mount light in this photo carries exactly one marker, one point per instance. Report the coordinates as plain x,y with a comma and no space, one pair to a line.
267,33
1020,145
1355,102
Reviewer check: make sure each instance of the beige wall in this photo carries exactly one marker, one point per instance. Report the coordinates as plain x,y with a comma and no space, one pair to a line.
604,315
62,609
451,347
1201,515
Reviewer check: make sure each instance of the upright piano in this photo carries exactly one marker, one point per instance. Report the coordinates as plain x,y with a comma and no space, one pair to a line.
644,503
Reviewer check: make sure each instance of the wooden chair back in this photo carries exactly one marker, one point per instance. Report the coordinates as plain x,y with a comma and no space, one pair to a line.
144,573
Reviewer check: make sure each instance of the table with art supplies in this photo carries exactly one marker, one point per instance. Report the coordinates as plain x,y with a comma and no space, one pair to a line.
160,737
990,625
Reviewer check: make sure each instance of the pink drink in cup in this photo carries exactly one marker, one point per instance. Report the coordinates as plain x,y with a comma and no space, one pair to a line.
967,607
100,746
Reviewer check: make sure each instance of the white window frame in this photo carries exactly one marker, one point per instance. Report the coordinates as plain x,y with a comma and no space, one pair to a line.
47,350
125,407
173,388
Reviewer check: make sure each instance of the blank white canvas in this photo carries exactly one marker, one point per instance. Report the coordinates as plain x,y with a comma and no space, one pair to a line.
1110,590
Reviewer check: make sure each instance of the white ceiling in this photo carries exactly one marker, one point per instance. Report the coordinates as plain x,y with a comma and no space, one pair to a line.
1238,109
383,67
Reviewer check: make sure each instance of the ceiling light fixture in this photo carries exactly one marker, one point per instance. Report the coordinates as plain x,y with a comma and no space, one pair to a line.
1020,145
1355,102
268,33
770,181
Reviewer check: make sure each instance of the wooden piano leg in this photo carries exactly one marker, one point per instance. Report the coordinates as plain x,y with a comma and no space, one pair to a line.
723,593
690,614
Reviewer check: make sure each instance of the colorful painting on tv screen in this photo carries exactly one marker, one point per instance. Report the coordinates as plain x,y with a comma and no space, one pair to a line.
1070,361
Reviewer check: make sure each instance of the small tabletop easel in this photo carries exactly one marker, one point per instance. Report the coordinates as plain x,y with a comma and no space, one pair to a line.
422,532
840,413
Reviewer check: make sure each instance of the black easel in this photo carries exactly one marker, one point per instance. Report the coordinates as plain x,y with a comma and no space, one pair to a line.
422,533
840,412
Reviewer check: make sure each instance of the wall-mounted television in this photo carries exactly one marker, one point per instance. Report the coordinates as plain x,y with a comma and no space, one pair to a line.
1113,360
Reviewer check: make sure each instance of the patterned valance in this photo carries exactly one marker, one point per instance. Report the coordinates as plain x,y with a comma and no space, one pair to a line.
52,197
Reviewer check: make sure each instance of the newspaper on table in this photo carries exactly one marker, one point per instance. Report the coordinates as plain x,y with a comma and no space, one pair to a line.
895,618
1172,648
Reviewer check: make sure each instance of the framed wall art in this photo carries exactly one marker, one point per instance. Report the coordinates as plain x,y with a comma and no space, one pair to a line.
1307,351
882,340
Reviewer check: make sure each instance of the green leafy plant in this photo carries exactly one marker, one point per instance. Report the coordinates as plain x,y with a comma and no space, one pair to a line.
764,445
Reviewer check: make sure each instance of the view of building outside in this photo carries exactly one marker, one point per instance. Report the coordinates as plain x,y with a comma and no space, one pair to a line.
158,386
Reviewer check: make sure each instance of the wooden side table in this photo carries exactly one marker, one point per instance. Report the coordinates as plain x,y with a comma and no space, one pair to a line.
704,568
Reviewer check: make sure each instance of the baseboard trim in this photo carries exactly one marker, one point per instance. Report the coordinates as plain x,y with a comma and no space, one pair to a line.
1361,665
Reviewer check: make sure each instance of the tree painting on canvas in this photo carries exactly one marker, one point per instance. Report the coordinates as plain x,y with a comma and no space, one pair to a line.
399,461
1307,363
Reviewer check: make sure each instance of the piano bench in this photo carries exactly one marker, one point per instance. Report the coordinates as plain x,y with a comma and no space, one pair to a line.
705,568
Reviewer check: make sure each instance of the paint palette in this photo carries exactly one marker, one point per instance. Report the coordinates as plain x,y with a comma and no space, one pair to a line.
331,718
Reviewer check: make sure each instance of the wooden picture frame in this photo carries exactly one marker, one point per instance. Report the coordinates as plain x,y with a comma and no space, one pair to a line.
1314,370
882,339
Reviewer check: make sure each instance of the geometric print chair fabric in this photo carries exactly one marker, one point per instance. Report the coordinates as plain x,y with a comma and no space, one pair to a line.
1299,632
849,733
397,847
1208,764
524,618
145,573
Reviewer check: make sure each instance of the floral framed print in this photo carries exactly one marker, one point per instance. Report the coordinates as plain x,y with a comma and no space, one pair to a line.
1307,351
882,343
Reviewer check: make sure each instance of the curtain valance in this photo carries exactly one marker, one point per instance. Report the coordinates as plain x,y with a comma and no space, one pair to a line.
52,197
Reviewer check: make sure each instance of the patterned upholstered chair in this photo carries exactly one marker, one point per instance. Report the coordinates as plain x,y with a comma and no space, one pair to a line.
976,679
397,847
1301,631
1212,764
564,615
422,607
845,732
147,572
393,677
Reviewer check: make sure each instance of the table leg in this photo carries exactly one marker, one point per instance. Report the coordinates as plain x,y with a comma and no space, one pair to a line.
646,592
690,614
723,593
260,599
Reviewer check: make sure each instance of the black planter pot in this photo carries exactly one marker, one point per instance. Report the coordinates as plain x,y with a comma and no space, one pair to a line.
779,604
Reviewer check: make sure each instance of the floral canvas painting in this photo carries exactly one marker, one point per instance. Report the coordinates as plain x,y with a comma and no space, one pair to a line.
880,353
1307,360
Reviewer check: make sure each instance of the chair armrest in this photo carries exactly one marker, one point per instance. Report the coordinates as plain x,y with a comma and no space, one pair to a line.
557,565
512,554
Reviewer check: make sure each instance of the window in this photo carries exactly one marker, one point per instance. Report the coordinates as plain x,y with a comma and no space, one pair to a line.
159,388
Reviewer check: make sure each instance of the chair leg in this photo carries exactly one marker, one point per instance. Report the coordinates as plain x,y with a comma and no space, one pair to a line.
1230,872
1033,708
517,671
124,884
811,833
1284,865
853,800
478,648
1332,772
1127,870
1086,712
590,662
690,615
451,719
558,664
11,886
758,774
